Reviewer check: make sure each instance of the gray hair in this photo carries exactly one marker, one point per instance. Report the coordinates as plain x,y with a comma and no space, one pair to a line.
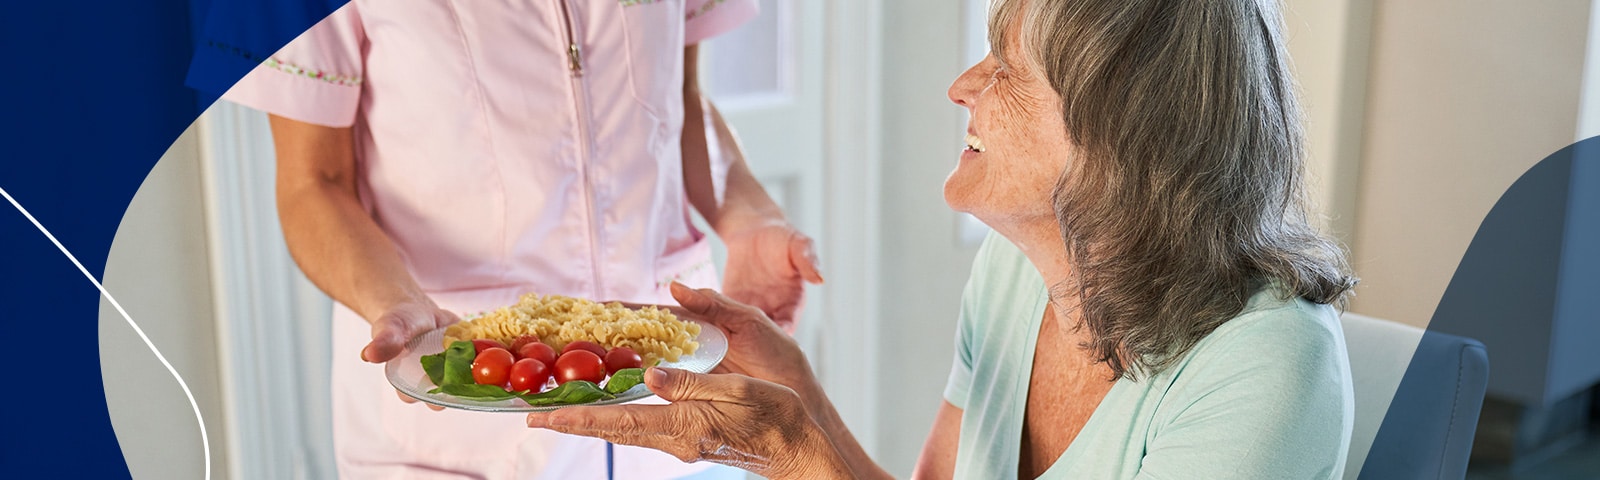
1186,194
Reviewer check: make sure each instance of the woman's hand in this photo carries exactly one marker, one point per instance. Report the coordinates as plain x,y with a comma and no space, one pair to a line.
768,267
733,420
756,347
397,325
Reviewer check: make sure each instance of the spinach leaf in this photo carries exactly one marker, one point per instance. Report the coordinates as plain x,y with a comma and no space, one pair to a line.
434,366
573,392
482,392
458,364
624,379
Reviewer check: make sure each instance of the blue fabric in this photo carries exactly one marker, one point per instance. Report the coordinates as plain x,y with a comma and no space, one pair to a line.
94,95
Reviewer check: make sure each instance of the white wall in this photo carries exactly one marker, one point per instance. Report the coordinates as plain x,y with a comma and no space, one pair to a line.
157,271
925,265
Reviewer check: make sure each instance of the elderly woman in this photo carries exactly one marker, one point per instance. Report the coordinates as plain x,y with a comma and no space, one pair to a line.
1158,307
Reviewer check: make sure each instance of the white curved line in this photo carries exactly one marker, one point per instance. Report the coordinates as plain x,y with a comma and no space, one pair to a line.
205,442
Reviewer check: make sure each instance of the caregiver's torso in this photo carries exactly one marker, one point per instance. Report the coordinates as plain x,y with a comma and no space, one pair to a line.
495,162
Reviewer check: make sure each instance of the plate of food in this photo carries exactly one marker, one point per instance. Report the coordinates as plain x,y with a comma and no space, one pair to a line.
550,351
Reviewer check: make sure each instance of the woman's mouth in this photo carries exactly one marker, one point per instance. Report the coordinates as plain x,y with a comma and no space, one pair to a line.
974,143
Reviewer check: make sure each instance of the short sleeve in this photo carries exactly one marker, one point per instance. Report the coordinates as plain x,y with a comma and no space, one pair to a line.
1270,400
314,79
958,389
704,19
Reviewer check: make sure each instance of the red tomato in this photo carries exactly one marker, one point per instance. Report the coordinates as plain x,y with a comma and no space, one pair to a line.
516,345
538,351
529,374
492,366
592,347
485,343
580,365
620,358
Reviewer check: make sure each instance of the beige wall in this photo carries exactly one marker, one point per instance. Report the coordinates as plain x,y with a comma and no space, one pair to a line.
1461,100
157,271
1328,45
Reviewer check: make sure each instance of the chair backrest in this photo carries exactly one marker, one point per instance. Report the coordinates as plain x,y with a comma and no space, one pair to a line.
1417,395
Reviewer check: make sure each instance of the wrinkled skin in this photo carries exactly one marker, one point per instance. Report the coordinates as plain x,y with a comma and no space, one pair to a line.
729,418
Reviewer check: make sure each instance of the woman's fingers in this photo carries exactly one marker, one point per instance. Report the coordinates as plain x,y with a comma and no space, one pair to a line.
677,385
717,308
655,427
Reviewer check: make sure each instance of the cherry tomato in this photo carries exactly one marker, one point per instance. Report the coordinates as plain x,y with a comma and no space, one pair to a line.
580,365
620,358
492,366
486,343
538,351
592,347
529,374
516,345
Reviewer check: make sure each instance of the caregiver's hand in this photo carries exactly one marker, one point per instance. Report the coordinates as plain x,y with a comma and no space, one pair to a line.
397,325
768,267
728,419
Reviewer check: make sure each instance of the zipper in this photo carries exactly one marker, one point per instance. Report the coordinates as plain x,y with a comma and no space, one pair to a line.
574,56
581,114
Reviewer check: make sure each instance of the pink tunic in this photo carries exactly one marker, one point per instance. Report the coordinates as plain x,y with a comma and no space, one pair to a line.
505,147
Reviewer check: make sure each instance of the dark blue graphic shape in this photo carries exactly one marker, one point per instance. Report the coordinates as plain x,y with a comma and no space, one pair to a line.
1527,289
94,93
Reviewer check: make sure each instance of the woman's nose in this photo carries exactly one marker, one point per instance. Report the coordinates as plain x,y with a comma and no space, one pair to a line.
966,87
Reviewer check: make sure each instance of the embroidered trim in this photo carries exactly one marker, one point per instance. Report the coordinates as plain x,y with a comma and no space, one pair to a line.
346,80
664,282
629,3
705,8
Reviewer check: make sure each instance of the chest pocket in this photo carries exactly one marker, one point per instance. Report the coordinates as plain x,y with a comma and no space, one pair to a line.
655,52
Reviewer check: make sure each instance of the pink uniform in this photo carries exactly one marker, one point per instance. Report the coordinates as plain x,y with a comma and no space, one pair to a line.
506,146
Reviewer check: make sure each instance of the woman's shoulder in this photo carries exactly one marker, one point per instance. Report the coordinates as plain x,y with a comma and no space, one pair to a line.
1279,342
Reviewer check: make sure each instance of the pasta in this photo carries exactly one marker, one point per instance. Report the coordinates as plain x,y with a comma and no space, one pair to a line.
557,320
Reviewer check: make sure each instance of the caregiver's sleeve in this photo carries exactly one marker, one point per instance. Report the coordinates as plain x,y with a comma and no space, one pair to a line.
704,19
1267,398
314,79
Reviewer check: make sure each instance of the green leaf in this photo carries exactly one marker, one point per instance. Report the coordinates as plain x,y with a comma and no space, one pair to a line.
458,364
624,379
434,366
484,392
570,393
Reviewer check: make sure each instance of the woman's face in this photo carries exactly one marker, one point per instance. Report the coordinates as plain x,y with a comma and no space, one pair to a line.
1017,142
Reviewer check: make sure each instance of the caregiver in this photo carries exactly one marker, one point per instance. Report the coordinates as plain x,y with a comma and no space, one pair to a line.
1156,305
443,157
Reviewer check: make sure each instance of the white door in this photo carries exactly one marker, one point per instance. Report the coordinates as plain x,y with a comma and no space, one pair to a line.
766,79
797,84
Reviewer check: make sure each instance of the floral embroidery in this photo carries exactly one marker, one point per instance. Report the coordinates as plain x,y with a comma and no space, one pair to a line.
705,8
346,80
696,268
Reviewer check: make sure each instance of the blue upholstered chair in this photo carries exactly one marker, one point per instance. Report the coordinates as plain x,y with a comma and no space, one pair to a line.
1417,396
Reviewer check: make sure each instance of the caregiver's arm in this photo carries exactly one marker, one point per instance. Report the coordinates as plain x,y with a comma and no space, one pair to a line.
338,245
938,458
769,261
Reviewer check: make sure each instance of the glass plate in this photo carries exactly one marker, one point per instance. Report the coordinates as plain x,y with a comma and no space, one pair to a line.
405,373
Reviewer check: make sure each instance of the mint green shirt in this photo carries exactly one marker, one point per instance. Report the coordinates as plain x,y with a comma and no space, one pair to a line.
1264,396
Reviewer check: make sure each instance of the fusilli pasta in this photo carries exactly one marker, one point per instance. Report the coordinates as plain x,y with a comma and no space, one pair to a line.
557,320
